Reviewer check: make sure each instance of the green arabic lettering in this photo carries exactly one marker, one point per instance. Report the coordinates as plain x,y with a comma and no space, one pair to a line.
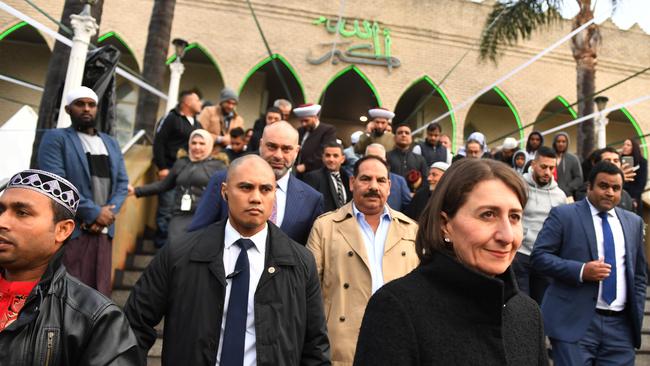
387,43
375,39
344,32
367,30
319,21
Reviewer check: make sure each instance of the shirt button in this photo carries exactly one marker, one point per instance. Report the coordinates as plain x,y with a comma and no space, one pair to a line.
350,254
346,285
342,318
403,254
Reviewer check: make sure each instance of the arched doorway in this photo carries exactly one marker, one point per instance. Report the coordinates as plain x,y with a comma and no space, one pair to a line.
25,56
345,99
623,126
495,116
262,86
422,102
201,73
557,112
126,91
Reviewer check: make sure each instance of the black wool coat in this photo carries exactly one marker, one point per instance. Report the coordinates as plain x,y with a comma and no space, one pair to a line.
444,313
321,181
186,281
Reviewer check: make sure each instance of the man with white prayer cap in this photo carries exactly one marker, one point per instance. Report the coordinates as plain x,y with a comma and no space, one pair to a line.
379,119
93,162
421,198
312,135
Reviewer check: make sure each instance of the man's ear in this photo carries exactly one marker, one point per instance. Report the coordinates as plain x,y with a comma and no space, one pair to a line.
67,109
224,195
62,230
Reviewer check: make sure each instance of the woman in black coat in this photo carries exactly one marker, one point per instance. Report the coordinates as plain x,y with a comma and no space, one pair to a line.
635,188
461,306
188,177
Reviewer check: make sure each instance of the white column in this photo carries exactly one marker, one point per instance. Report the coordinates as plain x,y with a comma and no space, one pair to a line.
176,69
84,27
602,133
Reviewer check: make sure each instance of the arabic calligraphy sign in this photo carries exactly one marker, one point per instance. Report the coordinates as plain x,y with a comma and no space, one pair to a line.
373,52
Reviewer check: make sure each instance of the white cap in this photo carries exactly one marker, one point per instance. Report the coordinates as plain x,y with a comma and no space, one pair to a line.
354,137
509,143
80,92
440,165
307,110
380,113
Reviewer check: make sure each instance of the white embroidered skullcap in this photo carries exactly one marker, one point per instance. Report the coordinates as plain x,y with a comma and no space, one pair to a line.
49,184
307,110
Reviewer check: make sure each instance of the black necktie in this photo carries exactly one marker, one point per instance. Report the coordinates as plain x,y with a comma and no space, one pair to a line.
339,188
232,349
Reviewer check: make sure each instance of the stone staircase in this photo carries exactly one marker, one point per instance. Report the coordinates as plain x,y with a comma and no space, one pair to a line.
643,354
126,279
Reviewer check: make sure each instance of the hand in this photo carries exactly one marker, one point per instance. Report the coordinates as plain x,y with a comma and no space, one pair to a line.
628,172
106,216
162,173
300,168
130,190
595,271
95,228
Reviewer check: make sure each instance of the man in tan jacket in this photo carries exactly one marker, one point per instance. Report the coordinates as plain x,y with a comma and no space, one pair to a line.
358,248
220,119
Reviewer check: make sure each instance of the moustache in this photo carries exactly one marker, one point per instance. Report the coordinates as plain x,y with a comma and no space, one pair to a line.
372,193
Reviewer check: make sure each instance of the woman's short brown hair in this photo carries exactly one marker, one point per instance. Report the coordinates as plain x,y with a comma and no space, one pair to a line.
450,195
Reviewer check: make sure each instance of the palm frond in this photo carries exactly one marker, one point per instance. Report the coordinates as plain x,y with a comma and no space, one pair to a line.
510,22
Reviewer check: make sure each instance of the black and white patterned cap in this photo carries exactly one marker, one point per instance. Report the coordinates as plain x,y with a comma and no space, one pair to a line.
49,184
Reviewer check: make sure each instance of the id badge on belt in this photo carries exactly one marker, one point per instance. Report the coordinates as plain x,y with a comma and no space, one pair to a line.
186,202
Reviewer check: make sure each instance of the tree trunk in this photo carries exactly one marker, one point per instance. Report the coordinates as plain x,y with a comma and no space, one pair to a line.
48,110
155,54
584,47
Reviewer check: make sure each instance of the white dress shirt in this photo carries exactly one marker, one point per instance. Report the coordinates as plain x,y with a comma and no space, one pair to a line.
619,244
256,260
281,198
375,242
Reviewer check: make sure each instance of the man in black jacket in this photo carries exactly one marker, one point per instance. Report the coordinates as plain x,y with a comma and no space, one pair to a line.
48,317
172,134
331,181
431,148
238,291
404,162
312,136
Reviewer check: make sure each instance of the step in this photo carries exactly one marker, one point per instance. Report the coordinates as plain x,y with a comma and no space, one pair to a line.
146,246
138,261
154,361
126,279
642,359
156,349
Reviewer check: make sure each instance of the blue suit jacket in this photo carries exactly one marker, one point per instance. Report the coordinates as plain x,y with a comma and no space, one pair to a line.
567,241
304,205
400,195
61,153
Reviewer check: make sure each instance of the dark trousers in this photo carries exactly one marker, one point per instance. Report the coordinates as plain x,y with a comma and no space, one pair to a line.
608,341
530,282
166,202
89,257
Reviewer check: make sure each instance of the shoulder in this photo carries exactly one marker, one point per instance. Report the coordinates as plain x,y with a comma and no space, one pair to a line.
296,183
85,300
402,219
303,255
630,216
55,134
336,216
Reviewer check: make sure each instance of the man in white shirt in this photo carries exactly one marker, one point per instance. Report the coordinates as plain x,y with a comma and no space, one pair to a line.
238,292
593,310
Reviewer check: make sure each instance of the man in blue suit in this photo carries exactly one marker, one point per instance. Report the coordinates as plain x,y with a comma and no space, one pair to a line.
297,204
593,251
92,161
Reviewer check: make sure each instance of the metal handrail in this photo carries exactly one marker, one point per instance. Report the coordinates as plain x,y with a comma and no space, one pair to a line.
135,139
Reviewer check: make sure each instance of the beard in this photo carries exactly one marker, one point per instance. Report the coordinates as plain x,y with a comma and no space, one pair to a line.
377,132
81,124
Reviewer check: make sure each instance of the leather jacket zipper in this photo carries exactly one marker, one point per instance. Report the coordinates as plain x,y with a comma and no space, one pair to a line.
50,347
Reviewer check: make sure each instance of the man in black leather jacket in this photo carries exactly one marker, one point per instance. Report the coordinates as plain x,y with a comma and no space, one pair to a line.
56,319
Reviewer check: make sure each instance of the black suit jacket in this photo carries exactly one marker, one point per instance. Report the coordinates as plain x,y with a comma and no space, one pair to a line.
312,150
321,181
186,283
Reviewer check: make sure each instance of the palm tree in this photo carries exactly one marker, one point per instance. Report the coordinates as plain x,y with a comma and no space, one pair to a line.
509,22
155,53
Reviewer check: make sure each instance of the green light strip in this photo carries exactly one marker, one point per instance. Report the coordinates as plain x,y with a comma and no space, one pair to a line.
638,130
360,73
205,52
514,112
113,34
12,29
284,61
449,108
568,106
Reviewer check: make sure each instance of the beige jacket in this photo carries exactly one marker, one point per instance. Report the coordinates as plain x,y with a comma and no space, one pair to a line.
342,261
211,119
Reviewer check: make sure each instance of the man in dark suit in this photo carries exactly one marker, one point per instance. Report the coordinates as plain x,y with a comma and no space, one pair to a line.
593,310
331,181
238,292
297,204
92,161
312,136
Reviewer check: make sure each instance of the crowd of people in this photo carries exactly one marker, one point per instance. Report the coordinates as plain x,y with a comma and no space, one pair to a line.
280,246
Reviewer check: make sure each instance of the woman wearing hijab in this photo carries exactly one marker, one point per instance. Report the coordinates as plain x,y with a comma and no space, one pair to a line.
461,305
188,177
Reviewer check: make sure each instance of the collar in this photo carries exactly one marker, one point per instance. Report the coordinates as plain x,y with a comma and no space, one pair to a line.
231,235
595,212
360,215
283,182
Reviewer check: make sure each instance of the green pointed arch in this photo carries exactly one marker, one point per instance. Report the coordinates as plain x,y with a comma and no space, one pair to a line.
12,29
514,112
284,61
363,76
112,34
638,130
203,50
568,107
